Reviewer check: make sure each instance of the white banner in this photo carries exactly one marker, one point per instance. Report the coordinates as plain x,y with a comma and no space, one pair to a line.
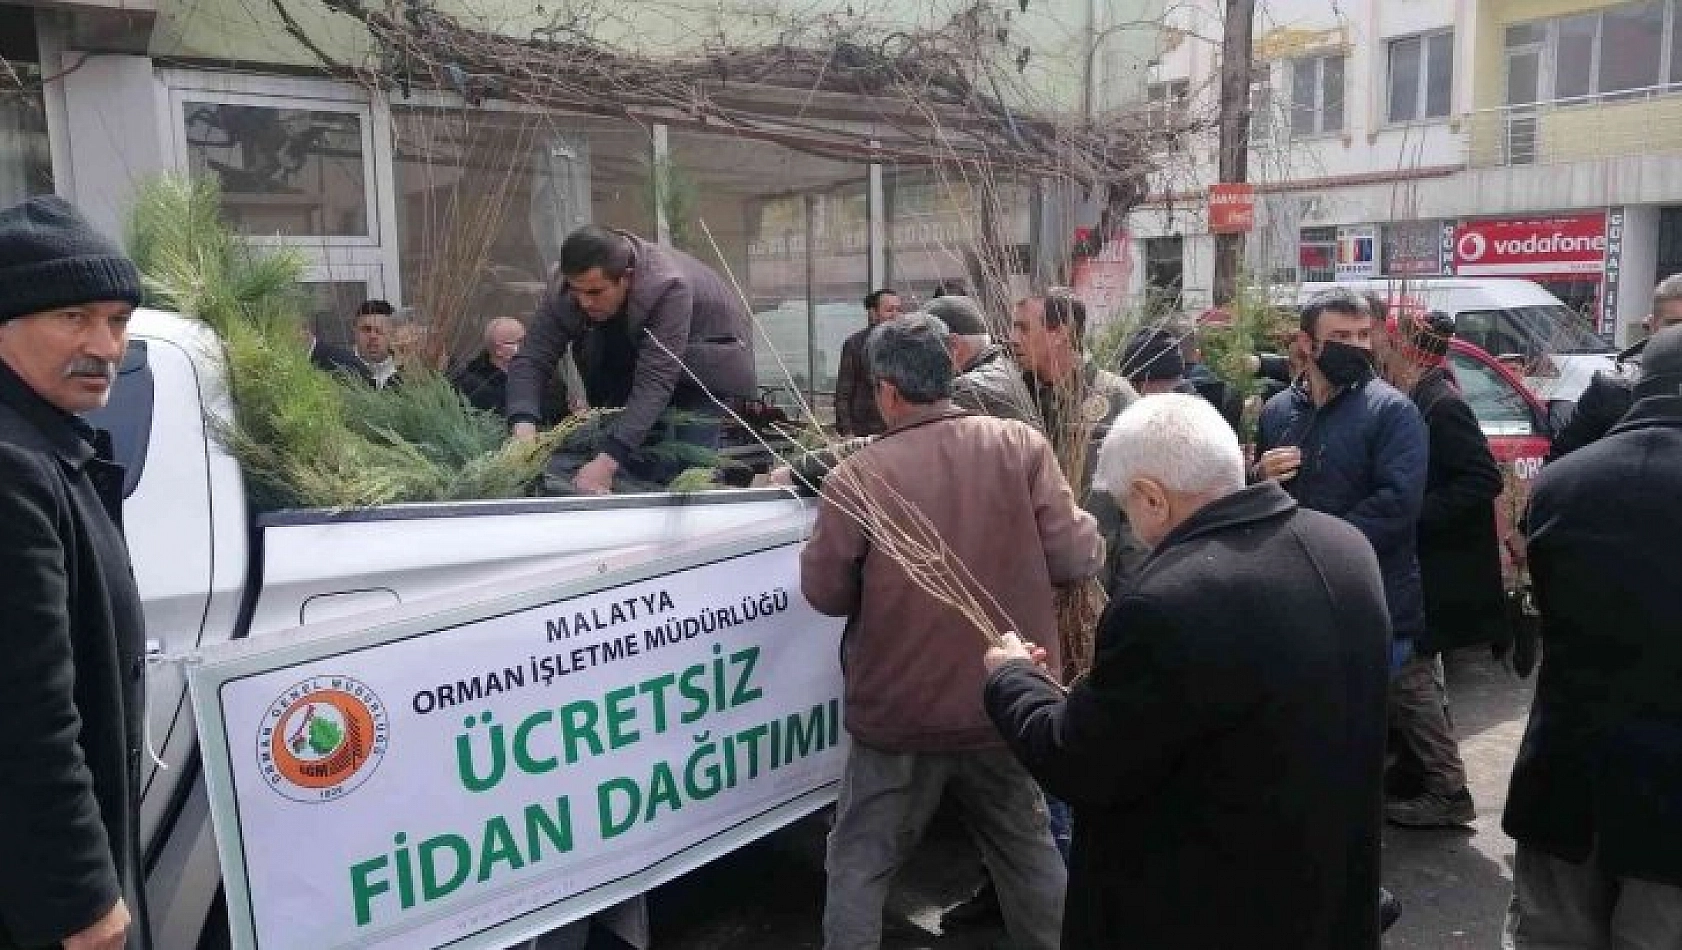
475,776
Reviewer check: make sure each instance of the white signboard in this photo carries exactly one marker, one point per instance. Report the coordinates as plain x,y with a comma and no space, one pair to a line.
475,776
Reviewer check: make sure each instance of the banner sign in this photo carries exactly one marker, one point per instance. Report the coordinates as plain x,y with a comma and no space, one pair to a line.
1574,244
473,776
1607,324
1357,252
1232,208
1413,249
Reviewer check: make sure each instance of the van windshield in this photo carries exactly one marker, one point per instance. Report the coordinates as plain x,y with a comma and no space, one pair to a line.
1559,329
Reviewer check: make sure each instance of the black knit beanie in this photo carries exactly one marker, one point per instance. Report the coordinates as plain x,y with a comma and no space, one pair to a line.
50,257
1152,355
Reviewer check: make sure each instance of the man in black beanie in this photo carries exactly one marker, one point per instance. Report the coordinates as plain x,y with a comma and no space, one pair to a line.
71,630
1153,363
1596,797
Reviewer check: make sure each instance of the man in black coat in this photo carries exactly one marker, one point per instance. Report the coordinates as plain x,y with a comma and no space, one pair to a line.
1596,797
71,629
1459,564
1224,757
1609,395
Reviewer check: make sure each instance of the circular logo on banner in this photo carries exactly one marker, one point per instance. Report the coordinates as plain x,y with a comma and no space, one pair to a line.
1472,246
322,738
1095,409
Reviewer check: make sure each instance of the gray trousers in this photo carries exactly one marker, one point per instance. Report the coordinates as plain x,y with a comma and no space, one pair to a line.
885,804
1419,710
1558,905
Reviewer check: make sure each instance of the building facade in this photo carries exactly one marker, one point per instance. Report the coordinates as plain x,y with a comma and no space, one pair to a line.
1539,139
456,195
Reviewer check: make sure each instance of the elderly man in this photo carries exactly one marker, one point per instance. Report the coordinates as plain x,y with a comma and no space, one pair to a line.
1596,797
1077,401
1225,756
913,664
651,328
988,380
855,397
71,629
483,382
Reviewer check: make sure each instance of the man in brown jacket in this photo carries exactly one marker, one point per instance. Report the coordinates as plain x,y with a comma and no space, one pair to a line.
645,323
913,664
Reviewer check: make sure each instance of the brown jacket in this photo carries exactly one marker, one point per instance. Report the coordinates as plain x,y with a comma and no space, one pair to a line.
855,398
684,305
913,664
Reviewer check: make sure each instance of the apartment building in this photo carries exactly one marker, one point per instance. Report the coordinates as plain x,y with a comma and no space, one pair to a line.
1520,138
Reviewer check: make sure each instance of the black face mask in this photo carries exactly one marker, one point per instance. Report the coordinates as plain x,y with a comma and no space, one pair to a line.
1344,364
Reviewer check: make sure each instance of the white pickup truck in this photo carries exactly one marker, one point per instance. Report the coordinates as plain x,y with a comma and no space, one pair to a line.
209,571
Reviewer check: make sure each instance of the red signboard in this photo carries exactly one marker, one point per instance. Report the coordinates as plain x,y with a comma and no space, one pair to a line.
1232,209
1531,247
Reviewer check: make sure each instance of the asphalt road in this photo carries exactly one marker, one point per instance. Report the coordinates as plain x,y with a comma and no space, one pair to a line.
1454,885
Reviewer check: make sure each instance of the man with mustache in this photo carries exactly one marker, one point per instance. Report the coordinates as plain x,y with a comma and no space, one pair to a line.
71,630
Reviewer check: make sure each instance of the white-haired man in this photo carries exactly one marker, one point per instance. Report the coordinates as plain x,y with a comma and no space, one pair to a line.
1224,757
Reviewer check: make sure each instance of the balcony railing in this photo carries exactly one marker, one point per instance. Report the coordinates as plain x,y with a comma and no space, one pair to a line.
1610,125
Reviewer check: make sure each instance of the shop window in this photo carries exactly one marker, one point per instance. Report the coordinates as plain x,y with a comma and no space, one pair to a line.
26,167
792,231
485,199
1165,271
1317,255
1421,77
1317,92
936,230
292,172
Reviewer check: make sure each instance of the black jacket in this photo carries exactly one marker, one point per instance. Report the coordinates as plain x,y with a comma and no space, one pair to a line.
1224,757
1598,409
486,388
1364,459
336,359
1459,553
71,686
1601,762
855,397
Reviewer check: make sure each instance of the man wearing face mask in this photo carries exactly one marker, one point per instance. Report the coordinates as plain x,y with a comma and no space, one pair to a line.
1344,442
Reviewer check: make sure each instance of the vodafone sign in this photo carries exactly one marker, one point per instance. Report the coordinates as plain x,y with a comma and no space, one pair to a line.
1536,247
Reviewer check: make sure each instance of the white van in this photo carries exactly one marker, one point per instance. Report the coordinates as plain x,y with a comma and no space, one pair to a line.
1516,321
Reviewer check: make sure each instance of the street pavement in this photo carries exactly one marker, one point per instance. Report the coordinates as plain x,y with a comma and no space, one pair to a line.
1454,885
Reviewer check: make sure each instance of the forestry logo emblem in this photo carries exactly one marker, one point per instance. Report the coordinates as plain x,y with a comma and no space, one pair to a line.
322,738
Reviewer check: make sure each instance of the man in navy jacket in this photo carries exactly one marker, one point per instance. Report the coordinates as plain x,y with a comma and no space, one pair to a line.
1346,443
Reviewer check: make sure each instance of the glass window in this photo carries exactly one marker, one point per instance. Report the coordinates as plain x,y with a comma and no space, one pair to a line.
1676,45
1574,56
332,303
1421,77
1525,34
936,223
1439,74
793,232
293,172
1496,403
1317,95
1317,254
1406,58
127,415
1631,37
484,200
26,166
1261,109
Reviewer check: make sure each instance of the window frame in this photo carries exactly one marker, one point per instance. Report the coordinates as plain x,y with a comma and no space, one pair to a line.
1667,80
1319,107
1423,86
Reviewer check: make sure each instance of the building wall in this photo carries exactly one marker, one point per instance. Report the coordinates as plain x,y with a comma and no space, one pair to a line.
1588,158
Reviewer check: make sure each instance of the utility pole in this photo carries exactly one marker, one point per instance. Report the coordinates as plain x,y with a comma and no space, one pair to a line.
1234,166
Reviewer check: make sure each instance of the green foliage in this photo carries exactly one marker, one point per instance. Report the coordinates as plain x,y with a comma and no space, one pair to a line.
1257,326
325,735
305,438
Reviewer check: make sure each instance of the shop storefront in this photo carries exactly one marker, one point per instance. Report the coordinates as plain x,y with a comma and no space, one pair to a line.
1577,257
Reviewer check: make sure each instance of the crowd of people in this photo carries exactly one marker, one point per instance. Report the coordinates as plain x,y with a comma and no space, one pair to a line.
1266,688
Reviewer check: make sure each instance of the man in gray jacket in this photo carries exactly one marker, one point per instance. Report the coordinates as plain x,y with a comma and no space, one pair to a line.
654,329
